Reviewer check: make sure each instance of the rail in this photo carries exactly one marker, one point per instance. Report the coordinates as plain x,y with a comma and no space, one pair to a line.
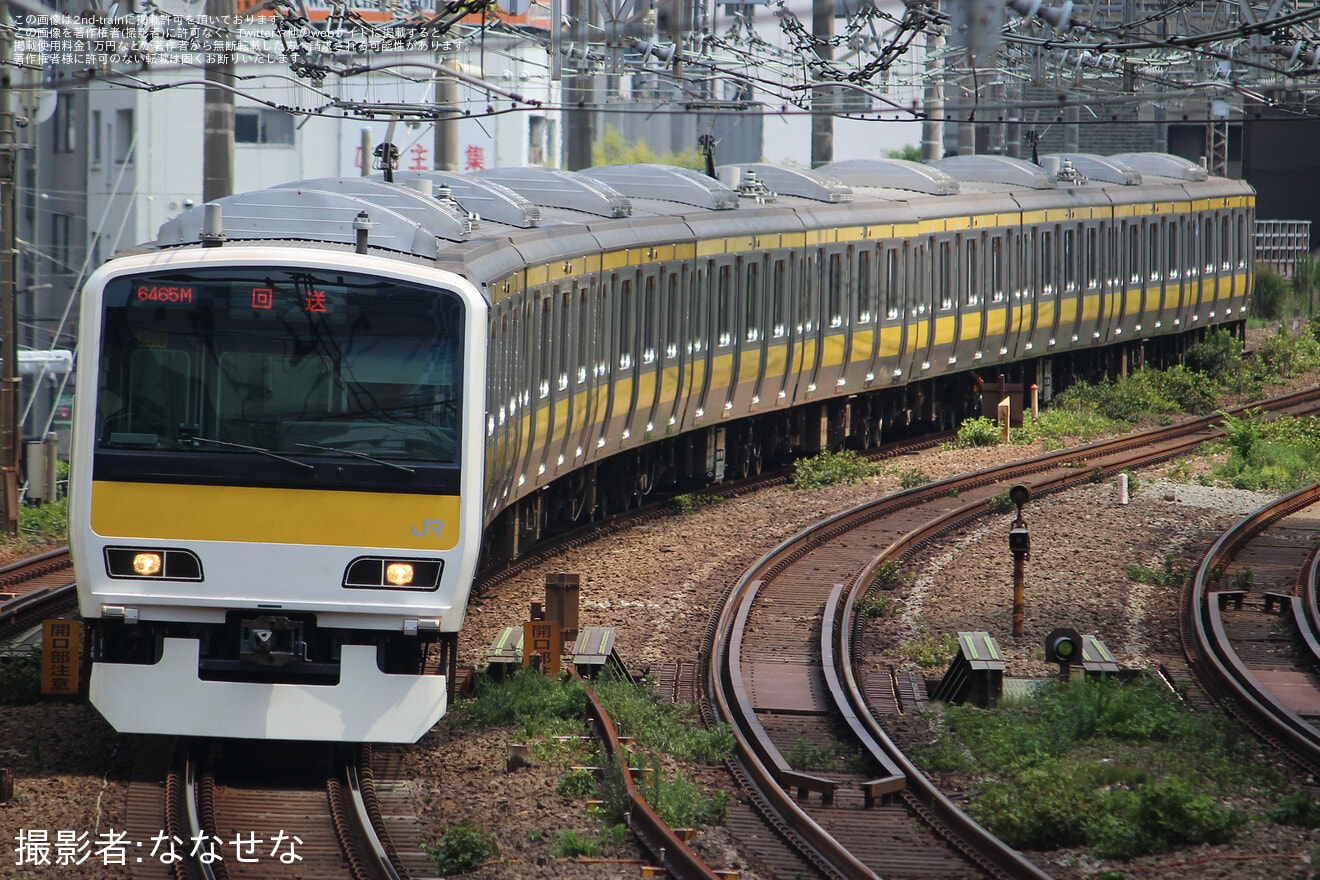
1211,647
659,839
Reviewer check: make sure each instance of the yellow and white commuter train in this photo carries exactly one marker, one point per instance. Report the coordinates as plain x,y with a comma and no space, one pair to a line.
304,413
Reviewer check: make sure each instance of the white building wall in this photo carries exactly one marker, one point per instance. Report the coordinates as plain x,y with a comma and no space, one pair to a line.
128,200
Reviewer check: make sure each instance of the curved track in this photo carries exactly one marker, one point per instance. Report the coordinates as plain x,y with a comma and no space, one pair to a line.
1253,641
781,673
33,589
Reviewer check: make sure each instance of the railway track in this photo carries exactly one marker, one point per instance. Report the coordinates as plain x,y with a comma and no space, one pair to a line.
33,589
1250,624
229,811
781,674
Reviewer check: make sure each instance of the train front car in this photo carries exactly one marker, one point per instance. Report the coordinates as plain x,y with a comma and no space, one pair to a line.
276,490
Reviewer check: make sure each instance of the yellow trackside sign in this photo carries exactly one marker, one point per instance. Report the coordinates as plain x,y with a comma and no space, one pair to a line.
61,643
541,639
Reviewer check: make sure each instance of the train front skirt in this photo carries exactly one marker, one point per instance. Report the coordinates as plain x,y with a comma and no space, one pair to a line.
367,705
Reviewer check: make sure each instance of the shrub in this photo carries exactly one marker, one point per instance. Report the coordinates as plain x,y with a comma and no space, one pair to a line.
1295,808
46,523
679,804
671,728
888,575
1001,503
831,468
911,479
1173,574
462,848
1269,295
1219,356
875,604
928,649
573,844
20,679
691,503
576,783
539,704
979,431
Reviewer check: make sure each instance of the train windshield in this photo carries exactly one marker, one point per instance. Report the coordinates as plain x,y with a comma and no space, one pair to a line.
290,362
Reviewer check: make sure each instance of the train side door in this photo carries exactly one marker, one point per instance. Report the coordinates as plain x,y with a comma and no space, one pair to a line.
779,366
886,354
674,374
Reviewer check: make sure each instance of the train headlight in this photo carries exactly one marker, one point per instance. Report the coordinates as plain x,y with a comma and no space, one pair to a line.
400,574
368,572
153,562
147,564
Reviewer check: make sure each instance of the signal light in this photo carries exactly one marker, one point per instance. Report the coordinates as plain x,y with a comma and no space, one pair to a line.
147,564
1063,645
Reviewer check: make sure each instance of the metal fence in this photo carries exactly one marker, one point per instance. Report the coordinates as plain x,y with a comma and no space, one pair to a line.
1279,243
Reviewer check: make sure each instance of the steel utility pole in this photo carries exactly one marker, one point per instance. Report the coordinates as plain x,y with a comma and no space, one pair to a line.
218,111
822,121
9,427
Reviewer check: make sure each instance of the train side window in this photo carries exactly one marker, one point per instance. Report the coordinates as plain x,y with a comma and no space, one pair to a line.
584,336
997,269
1153,266
864,306
834,290
723,306
971,286
648,321
1047,267
752,302
627,324
1173,252
673,316
892,283
1069,260
1134,253
777,298
1092,259
547,320
565,321
945,273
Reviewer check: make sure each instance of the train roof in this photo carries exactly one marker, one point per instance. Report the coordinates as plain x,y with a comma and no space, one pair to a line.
489,222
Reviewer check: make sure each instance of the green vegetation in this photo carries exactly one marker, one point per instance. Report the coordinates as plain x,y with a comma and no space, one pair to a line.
1173,574
927,648
691,502
573,844
462,848
910,152
612,149
1123,769
876,604
1281,455
20,679
1269,295
911,479
830,469
1001,503
1295,808
543,708
979,431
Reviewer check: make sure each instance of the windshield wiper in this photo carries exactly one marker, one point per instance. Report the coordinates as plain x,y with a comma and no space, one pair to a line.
301,464
372,458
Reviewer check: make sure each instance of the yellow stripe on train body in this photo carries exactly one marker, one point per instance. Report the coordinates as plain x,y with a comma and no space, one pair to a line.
171,512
